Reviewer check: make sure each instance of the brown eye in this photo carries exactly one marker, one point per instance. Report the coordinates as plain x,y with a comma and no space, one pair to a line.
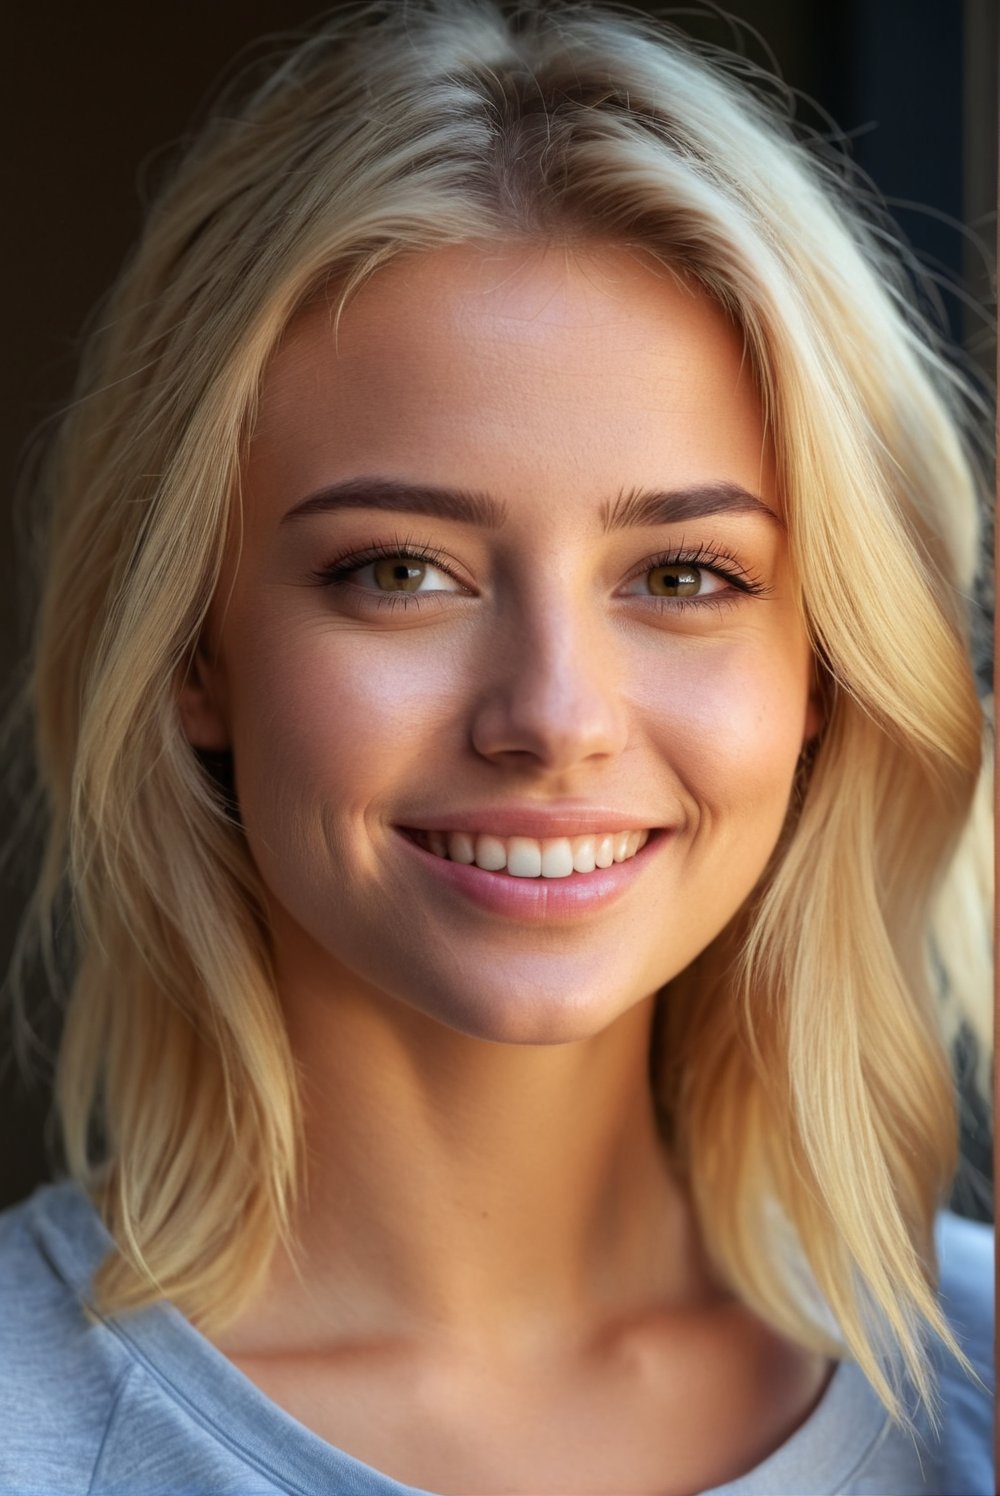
675,581
397,574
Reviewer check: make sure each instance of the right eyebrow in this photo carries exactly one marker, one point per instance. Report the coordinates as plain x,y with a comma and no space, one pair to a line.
373,492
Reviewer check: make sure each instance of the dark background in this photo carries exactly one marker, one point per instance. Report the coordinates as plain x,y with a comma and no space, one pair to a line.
95,95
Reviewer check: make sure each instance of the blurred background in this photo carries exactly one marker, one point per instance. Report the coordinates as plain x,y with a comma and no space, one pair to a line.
98,96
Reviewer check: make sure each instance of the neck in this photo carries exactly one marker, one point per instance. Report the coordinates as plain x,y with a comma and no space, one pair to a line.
497,1193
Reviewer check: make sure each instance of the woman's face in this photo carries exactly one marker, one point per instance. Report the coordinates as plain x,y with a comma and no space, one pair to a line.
619,645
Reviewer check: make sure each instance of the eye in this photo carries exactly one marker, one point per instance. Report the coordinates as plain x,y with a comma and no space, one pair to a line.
681,579
403,574
387,570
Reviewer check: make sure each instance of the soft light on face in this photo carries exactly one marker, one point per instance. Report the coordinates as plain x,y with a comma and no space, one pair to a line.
539,661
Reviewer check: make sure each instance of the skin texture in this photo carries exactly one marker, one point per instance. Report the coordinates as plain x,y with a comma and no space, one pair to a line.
491,1222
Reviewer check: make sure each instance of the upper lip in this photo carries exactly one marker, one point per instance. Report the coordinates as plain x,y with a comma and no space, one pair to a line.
531,820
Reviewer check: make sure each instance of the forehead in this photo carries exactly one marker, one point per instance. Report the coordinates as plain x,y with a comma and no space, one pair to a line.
534,363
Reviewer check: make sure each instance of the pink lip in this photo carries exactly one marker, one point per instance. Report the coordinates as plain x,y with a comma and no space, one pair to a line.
540,900
533,819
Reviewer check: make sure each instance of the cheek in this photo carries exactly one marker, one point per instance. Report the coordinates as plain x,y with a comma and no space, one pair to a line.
327,725
731,722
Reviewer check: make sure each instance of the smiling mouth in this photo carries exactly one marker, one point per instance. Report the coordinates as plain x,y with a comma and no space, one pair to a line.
530,857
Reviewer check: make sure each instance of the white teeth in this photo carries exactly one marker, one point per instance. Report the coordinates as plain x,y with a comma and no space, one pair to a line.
583,854
491,853
557,858
461,847
604,853
526,857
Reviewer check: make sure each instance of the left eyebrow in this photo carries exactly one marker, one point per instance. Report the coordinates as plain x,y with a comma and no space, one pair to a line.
637,507
643,506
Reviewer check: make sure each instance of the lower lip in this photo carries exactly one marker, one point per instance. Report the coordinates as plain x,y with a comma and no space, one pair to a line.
541,900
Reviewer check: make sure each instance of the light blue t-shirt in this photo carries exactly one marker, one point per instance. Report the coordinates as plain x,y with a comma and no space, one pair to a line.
146,1406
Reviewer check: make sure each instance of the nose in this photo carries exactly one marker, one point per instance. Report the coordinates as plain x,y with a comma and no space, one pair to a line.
552,691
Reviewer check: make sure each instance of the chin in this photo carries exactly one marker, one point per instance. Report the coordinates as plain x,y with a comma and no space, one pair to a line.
530,1018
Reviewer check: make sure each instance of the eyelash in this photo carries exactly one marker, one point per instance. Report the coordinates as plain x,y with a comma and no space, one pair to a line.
706,557
713,558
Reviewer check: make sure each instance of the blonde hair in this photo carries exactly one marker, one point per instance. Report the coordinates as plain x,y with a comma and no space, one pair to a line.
804,1080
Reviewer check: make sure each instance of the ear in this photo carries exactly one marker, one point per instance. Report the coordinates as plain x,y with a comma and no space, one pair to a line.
201,703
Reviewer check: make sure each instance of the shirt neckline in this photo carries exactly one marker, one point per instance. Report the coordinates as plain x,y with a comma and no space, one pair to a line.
234,1410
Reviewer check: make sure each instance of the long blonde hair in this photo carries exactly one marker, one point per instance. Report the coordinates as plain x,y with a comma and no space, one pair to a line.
802,1068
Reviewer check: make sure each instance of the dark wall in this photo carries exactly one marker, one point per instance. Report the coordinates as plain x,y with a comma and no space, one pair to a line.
94,93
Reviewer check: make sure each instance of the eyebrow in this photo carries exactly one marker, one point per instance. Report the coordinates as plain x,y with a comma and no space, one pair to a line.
636,507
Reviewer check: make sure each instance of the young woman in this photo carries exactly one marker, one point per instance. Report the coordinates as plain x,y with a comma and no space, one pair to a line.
504,701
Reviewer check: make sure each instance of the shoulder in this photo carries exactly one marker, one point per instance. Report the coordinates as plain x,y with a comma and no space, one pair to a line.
116,1405
60,1375
967,1276
966,1292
